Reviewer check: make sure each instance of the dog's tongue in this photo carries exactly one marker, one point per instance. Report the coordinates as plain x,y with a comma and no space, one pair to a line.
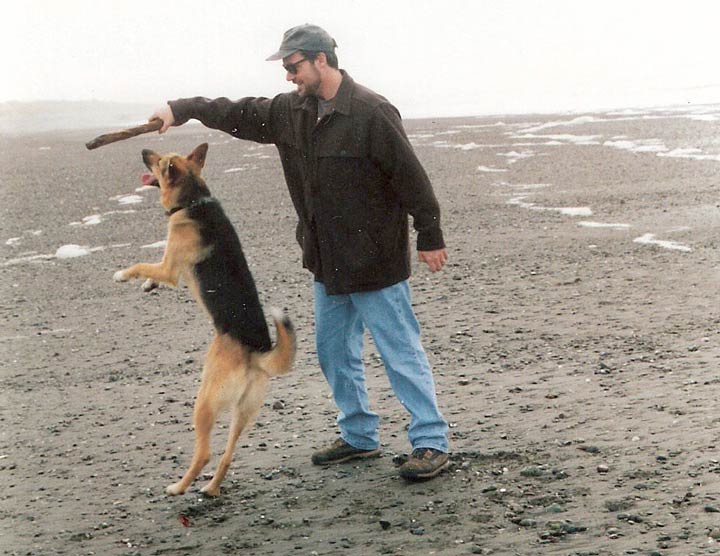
148,179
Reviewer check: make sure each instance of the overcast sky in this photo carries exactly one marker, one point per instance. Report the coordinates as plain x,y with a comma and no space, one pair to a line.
429,57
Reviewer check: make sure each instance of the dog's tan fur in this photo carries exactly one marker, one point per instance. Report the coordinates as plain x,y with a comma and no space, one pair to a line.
183,246
234,376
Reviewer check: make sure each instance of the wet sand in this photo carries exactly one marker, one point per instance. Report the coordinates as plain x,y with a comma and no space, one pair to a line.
576,361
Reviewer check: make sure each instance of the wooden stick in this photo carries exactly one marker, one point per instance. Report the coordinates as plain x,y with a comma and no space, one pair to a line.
108,138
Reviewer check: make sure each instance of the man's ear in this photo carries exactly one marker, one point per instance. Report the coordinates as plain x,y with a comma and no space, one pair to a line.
198,155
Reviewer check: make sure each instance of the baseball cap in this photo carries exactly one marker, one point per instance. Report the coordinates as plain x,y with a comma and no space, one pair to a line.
304,37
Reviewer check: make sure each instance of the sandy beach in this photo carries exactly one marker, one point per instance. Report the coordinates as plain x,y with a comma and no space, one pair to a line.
574,337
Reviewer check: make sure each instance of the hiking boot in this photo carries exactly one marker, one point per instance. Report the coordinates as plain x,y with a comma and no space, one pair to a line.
340,452
424,463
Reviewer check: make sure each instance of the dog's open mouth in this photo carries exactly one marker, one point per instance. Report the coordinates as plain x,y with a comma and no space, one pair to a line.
148,179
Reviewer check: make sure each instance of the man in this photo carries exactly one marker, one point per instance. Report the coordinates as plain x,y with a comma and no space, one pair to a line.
353,179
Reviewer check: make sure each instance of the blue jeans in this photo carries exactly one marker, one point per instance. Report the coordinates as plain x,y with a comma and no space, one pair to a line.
340,321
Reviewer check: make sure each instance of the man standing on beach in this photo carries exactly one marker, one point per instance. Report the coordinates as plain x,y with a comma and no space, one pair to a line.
353,179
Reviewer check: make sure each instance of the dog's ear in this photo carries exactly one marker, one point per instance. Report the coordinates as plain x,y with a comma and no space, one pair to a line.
198,155
150,158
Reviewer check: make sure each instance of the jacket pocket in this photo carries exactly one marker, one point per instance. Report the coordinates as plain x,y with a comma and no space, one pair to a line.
354,251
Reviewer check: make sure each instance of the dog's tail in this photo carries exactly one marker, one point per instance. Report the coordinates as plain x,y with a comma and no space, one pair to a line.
279,360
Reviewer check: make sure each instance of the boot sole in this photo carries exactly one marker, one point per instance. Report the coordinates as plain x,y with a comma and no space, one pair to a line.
350,457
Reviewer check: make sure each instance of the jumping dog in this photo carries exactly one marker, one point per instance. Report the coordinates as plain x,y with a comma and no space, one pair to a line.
204,252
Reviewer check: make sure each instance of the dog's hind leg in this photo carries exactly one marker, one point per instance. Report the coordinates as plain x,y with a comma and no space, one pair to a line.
243,414
204,418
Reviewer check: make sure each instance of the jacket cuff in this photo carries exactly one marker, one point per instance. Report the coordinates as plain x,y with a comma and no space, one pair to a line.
430,240
180,110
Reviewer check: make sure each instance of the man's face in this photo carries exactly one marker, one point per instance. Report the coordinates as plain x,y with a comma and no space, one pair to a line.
303,73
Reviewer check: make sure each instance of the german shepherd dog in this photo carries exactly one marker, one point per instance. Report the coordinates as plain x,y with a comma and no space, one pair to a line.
204,252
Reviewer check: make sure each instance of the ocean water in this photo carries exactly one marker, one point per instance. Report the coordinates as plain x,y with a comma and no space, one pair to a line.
18,118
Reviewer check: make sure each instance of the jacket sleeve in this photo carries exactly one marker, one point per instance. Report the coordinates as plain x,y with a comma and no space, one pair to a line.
258,119
390,148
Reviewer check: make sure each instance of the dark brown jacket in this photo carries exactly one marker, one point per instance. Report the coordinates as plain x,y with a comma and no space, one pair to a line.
353,178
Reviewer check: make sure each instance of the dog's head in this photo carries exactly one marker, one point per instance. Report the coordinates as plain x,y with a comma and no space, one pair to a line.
178,177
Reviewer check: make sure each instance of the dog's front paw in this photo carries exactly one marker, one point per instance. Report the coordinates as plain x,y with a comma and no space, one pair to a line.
174,490
121,276
149,285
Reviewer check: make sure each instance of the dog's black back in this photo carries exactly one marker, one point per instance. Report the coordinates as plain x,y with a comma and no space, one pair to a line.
224,279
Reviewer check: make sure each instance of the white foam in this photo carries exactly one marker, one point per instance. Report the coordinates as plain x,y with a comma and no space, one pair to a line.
462,147
57,331
130,199
488,169
567,211
156,245
694,154
27,259
625,116
92,220
514,156
684,152
563,138
586,224
649,239
656,146
15,240
534,144
576,121
71,251
574,211
95,219
704,117
628,112
479,126
528,185
638,146
520,202
232,170
689,109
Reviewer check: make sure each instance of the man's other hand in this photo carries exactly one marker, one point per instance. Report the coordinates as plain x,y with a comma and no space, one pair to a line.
434,259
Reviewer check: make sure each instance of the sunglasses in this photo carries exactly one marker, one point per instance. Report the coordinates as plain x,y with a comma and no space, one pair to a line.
293,67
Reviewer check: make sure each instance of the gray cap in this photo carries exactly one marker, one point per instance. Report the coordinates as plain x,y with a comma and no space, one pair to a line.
304,37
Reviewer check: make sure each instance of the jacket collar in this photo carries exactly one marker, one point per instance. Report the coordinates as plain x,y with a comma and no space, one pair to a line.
343,97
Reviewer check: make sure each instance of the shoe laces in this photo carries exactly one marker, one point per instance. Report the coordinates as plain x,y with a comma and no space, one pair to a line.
423,453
